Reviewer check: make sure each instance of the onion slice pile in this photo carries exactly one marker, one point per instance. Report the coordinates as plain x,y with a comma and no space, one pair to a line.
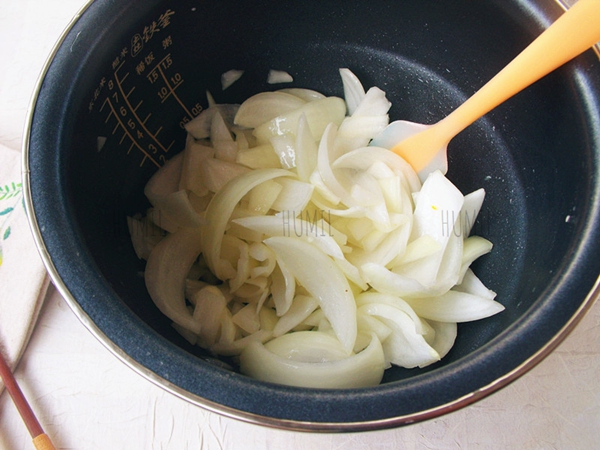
281,239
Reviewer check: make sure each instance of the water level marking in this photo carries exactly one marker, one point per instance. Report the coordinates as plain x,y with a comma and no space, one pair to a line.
127,134
119,84
172,84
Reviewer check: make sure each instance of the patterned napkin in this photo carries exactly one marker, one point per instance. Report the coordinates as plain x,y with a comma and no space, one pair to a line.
23,278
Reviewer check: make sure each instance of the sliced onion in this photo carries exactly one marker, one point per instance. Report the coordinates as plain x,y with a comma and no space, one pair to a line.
166,179
450,266
326,171
454,306
369,324
293,197
404,347
210,305
178,208
360,370
229,330
162,190
161,220
166,270
268,319
473,248
285,149
221,139
262,197
470,210
354,91
473,285
436,212
319,114
363,158
306,150
247,319
237,346
351,272
370,297
279,76
361,129
260,252
445,335
438,208
387,277
291,226
219,212
194,156
200,126
302,307
306,346
219,131
373,104
283,287
230,77
216,173
421,247
263,107
392,245
259,157
144,236
307,95
323,195
322,278
242,265
388,282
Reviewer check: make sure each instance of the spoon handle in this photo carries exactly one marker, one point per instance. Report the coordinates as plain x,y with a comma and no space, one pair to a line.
575,31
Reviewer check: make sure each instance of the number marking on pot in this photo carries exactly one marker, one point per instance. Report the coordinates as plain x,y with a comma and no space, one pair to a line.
143,78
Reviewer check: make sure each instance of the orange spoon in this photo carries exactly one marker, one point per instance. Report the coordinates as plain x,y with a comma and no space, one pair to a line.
424,146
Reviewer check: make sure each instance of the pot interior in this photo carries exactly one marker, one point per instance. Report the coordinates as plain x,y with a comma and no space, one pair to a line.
129,75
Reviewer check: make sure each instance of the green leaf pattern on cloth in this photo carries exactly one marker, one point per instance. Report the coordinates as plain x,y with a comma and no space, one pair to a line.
11,195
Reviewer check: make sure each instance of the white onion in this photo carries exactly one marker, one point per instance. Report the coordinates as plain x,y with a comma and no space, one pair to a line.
319,114
321,277
219,211
230,77
373,104
306,150
209,308
261,108
361,370
404,346
279,76
354,91
473,285
283,287
444,336
166,270
200,126
292,226
455,306
323,260
305,94
302,307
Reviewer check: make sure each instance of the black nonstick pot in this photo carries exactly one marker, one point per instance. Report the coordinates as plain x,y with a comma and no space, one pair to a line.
128,74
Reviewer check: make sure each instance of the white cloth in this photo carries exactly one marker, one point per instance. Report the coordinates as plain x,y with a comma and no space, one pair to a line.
23,279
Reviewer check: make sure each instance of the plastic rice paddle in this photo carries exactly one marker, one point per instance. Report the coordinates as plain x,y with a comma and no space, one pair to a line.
425,146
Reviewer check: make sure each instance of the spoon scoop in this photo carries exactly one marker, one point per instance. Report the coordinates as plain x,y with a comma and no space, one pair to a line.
424,146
